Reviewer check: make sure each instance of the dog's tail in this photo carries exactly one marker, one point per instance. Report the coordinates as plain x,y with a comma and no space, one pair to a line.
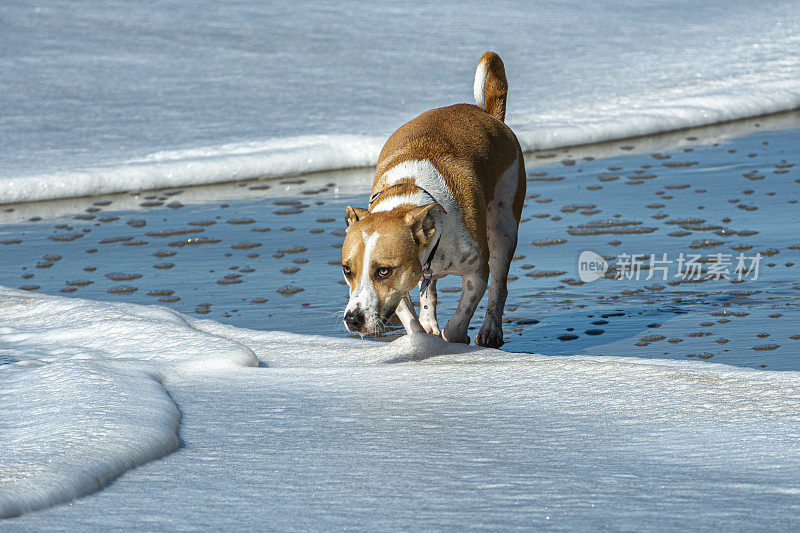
491,87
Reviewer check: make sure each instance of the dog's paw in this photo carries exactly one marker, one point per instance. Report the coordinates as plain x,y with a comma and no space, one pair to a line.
432,329
463,339
490,335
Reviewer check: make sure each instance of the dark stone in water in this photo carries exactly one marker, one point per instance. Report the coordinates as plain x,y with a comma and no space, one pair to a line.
164,253
123,289
293,250
112,240
765,347
65,237
194,241
164,292
289,290
245,245
173,232
121,276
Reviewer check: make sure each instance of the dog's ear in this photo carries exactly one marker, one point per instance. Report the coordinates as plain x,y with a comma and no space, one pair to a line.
422,221
354,214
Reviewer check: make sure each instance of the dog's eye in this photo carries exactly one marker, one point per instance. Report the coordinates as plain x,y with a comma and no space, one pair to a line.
346,270
383,272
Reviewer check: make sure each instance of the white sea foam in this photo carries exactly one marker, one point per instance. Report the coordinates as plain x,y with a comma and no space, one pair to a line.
200,166
90,392
69,428
83,401
629,116
90,91
619,119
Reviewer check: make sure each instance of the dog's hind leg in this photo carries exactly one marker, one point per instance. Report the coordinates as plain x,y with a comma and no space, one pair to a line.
502,225
427,312
491,332
407,315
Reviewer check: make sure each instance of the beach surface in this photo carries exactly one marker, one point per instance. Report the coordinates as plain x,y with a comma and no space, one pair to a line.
173,180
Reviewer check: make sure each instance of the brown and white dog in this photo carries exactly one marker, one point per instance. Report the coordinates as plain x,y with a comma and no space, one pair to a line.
446,199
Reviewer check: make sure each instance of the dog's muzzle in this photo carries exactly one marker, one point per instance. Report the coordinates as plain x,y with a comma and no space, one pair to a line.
355,320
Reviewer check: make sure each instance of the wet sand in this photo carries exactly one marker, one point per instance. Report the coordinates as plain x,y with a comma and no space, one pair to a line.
265,254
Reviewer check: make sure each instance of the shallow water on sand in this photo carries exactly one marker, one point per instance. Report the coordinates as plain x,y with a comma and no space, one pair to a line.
266,254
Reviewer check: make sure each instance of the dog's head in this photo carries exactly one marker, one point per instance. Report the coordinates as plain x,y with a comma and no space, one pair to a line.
381,260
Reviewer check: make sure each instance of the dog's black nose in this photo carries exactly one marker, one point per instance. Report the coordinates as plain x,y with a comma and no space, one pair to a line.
354,320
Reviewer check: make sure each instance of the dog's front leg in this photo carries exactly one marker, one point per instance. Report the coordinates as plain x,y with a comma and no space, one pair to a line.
427,312
473,287
405,311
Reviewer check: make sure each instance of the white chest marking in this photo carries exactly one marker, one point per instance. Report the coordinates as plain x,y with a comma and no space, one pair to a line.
390,202
426,177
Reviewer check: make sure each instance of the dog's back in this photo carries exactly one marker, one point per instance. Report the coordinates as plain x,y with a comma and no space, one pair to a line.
469,146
